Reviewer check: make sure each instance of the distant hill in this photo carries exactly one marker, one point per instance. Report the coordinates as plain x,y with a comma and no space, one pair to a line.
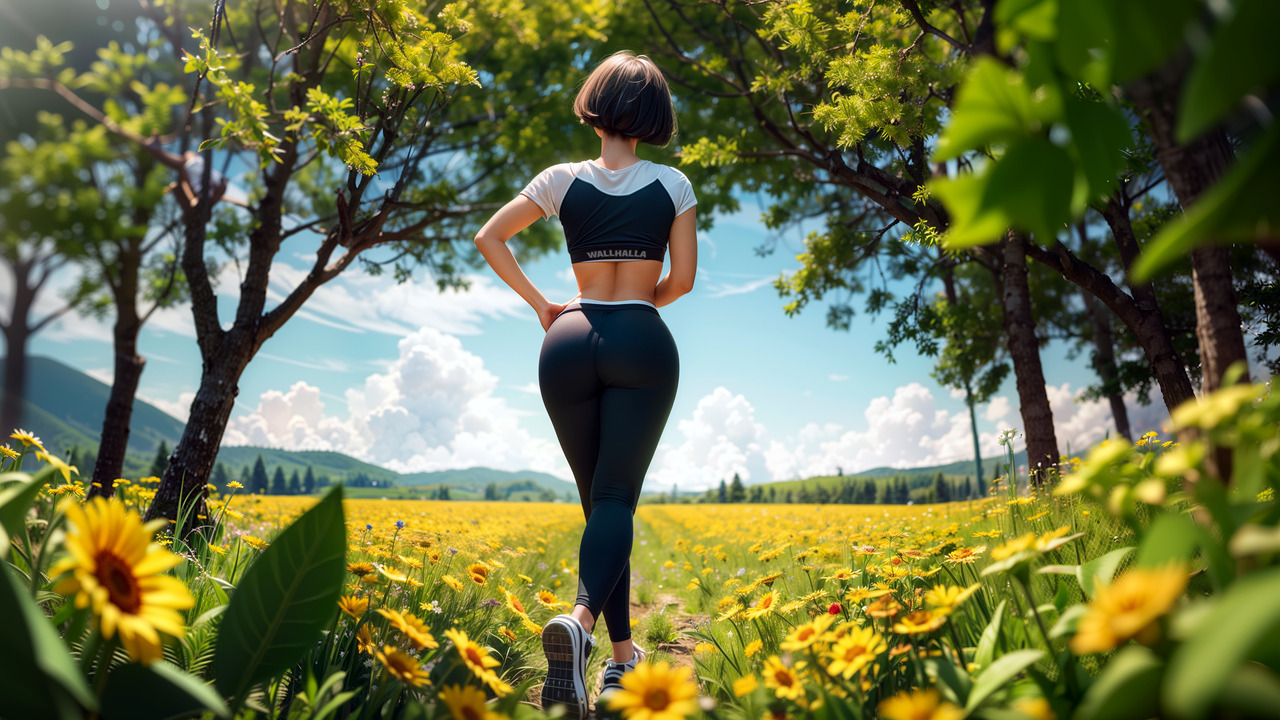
65,409
959,467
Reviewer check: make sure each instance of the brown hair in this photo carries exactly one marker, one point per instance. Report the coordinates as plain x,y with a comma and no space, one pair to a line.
626,95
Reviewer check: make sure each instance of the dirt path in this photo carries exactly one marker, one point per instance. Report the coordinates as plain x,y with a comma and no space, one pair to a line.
681,649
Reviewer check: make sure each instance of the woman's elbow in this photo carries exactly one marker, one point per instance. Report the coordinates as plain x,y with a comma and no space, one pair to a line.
683,285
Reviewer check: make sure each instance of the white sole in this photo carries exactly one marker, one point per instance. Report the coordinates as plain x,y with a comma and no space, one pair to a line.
564,684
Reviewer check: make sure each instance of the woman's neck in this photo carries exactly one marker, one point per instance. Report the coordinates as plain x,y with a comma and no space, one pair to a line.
617,152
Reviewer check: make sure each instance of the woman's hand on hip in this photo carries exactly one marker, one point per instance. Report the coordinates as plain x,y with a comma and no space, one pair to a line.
548,314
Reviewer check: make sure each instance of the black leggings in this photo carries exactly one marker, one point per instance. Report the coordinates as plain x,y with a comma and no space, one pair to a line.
608,376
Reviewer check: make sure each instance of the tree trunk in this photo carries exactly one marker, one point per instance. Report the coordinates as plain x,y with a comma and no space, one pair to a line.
182,488
973,428
1104,363
1024,351
16,334
115,425
1191,169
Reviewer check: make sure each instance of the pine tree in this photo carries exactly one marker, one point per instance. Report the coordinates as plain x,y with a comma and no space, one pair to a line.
773,494
737,492
259,481
723,495
309,481
444,493
220,476
161,462
278,484
295,483
941,488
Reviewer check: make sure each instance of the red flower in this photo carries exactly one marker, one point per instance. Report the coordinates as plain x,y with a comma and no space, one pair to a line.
834,609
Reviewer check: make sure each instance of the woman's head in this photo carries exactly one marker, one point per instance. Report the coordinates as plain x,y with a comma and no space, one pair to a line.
626,95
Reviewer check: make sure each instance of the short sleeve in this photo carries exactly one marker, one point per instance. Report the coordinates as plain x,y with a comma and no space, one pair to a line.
548,188
682,193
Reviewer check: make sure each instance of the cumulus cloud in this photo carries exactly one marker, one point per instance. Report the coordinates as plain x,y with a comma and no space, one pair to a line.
907,429
433,408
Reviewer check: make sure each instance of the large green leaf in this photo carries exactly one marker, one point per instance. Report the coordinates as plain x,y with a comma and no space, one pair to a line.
1000,672
36,661
284,601
1240,207
158,692
1086,41
1253,691
1129,687
16,499
986,650
1148,31
994,105
1171,537
1100,136
1235,65
1244,619
1101,570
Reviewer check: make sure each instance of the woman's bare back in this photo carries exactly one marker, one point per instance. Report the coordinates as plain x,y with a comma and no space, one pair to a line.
618,280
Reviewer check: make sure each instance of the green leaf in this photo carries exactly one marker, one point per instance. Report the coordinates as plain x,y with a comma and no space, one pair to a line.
1237,627
1032,184
971,224
986,650
1100,570
36,661
1036,19
1170,538
16,499
1239,207
158,692
284,601
953,683
995,104
1000,672
1234,66
1100,136
1253,691
1129,687
1086,41
1148,31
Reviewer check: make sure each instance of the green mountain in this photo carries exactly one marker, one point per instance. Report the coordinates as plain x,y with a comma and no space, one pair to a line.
478,477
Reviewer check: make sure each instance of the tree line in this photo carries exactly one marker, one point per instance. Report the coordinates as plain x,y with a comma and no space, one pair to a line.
899,489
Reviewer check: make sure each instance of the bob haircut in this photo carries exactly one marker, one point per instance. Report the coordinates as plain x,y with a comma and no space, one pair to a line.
626,95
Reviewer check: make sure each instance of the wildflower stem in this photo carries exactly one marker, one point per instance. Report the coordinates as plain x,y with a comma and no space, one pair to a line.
1031,603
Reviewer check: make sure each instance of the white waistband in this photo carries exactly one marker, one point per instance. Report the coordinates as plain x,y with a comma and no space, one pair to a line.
588,301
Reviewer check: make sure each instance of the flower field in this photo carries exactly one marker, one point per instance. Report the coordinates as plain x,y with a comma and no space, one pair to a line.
1139,585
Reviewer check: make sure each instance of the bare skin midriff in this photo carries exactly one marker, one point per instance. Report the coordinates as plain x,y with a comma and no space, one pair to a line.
622,280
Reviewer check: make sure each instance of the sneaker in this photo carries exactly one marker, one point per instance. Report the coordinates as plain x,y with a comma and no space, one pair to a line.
614,671
567,645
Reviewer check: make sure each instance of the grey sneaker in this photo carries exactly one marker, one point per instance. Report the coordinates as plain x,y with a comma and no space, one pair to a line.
613,673
568,646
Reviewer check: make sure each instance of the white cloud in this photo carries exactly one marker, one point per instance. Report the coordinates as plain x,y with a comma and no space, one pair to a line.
180,408
721,438
997,409
724,289
833,377
530,387
432,409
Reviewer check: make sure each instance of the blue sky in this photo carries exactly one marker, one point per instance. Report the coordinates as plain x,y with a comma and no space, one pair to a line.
411,379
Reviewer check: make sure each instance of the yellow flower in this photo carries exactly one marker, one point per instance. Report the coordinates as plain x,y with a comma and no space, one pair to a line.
1037,708
1013,547
784,681
116,569
656,691
918,705
404,667
764,606
411,627
256,543
392,575
9,452
919,622
1129,608
353,606
364,641
859,594
410,562
466,702
804,635
452,582
58,464
753,647
851,653
949,597
514,604
27,439
744,685
478,660
479,573
235,485
532,626
506,632
360,568
841,574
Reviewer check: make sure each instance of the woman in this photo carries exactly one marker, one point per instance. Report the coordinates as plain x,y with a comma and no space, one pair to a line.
609,368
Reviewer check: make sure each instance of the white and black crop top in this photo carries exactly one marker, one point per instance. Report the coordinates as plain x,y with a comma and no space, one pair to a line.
613,214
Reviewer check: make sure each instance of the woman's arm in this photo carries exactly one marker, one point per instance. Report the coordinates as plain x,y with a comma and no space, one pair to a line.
515,216
684,260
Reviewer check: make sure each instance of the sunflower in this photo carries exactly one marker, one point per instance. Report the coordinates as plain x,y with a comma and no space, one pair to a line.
364,641
360,568
531,626
507,633
353,606
116,569
784,681
411,627
479,573
548,599
452,582
466,702
405,668
918,705
1129,608
764,606
656,691
854,651
920,622
514,603
478,661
